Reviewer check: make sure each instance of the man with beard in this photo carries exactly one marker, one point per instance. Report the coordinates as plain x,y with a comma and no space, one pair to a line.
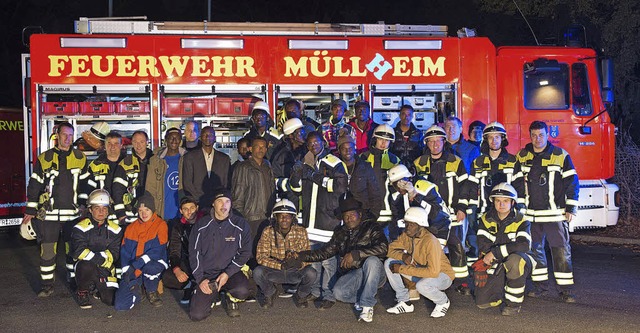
551,198
180,275
290,150
363,126
446,170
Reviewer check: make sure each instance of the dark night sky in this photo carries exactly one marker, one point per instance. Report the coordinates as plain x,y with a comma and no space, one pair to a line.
57,16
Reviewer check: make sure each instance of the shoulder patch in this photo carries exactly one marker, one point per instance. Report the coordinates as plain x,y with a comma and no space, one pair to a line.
332,160
114,227
84,225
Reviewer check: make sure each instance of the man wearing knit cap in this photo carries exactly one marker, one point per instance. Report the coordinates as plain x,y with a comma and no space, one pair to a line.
143,256
220,245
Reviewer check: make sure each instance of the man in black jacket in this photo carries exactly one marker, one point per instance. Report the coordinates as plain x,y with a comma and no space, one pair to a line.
361,178
219,247
361,246
180,275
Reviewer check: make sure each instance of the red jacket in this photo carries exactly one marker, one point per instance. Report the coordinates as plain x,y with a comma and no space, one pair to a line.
363,136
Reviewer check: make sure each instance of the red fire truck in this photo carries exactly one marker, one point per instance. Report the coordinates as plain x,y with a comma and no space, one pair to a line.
155,75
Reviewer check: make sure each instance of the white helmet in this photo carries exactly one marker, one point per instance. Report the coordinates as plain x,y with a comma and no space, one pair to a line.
27,232
285,206
434,131
99,197
495,127
260,105
291,126
384,131
398,172
418,215
100,130
503,190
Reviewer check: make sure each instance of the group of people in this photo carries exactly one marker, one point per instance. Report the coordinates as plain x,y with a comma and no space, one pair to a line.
325,212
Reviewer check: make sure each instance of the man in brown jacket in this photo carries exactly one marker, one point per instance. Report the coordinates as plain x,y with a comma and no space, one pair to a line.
418,256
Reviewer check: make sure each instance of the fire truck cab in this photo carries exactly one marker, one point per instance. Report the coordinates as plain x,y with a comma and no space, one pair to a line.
157,75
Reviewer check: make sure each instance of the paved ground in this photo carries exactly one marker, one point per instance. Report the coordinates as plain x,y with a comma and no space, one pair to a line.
607,286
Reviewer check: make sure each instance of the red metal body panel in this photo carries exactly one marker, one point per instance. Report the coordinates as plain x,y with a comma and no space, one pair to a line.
489,82
592,154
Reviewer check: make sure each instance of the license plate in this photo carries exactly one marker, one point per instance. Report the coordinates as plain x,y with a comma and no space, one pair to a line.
9,222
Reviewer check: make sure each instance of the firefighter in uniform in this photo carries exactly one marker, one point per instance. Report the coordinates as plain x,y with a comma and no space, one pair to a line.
381,161
551,200
494,166
101,171
95,246
446,170
289,151
129,179
322,179
422,193
53,199
504,240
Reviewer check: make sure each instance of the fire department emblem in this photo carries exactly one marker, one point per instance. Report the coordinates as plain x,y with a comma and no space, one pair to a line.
554,131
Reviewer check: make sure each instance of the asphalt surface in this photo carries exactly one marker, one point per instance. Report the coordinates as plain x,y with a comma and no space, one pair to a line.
607,288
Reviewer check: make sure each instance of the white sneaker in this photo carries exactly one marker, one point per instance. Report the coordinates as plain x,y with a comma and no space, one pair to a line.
414,295
440,310
367,314
401,307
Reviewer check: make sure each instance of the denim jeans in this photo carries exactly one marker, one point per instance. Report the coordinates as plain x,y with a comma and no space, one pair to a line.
361,285
431,288
325,277
266,277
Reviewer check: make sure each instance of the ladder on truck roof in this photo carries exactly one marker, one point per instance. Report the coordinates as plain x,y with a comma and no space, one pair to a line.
139,25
